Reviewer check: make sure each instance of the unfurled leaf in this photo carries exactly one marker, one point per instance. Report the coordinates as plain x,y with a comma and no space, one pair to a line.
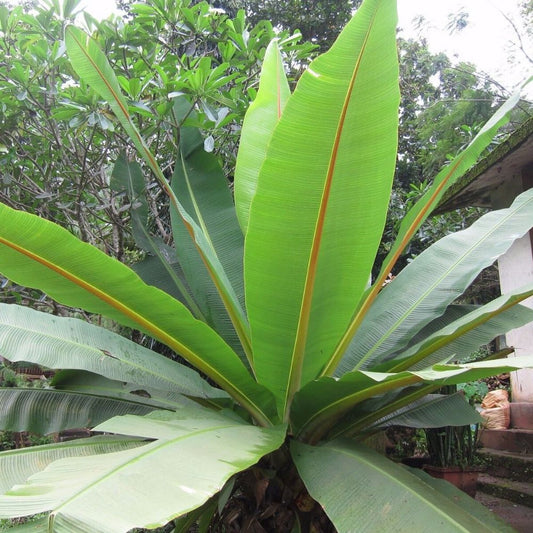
434,279
37,253
18,465
261,118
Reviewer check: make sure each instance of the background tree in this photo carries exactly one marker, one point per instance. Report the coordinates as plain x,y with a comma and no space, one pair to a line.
319,21
55,132
58,139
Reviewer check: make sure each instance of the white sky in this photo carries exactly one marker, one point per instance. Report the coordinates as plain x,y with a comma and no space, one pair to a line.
487,41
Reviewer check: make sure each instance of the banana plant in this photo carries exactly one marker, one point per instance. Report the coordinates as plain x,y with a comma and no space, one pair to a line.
290,351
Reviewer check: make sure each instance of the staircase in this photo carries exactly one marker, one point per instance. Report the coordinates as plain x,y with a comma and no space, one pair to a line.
507,484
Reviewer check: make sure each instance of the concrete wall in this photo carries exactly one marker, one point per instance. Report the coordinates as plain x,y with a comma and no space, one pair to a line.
516,270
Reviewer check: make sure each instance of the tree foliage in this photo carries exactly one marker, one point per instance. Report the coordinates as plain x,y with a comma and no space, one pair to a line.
58,139
318,21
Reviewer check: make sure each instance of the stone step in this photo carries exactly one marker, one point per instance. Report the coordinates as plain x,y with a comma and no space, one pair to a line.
509,465
522,415
510,440
520,492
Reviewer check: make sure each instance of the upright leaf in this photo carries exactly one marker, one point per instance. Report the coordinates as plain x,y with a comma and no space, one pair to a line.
127,176
419,213
315,224
92,66
259,123
199,182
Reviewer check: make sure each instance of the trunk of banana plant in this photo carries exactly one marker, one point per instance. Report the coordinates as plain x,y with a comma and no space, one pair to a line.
272,497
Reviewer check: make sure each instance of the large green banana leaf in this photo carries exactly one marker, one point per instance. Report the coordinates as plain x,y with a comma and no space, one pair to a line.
195,453
92,66
361,490
199,182
365,414
315,223
440,274
45,411
416,408
466,334
69,343
18,465
453,312
445,179
261,119
38,253
433,411
419,213
321,403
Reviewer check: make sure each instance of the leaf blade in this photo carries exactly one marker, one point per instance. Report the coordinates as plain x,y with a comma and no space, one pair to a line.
18,465
439,275
307,183
356,485
70,343
37,253
419,213
260,120
105,481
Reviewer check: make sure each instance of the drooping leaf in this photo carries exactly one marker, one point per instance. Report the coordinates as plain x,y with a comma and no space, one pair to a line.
321,403
199,449
69,343
364,415
45,411
314,223
361,490
440,274
96,385
18,465
37,253
433,411
259,123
